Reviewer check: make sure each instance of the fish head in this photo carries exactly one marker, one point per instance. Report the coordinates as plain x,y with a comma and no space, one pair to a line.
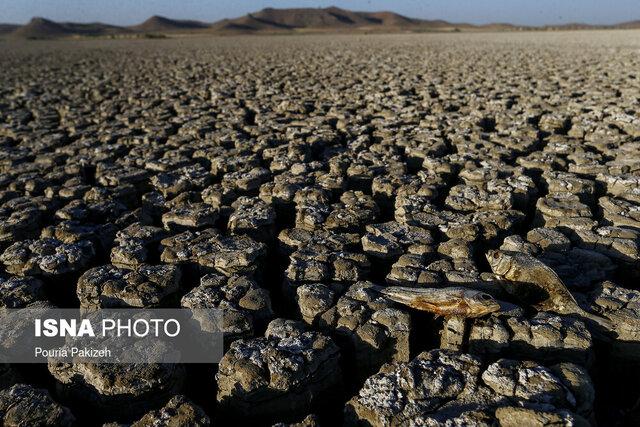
480,303
500,261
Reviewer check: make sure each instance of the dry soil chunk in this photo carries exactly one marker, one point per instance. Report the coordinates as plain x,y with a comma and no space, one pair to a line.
287,370
24,405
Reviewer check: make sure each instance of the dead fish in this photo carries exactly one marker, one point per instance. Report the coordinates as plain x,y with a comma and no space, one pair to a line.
523,268
454,301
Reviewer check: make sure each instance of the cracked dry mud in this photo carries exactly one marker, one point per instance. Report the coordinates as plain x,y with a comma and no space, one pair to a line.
284,180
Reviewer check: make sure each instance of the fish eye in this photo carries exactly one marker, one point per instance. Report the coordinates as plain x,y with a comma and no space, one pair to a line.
496,255
485,297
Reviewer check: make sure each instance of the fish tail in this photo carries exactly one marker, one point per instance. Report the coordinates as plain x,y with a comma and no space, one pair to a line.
601,321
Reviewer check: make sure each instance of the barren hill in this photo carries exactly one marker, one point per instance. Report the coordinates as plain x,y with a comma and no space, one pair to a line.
8,28
270,20
331,18
163,24
629,25
41,28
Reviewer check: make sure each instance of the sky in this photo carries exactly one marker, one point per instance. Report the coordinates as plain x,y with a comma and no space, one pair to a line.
521,12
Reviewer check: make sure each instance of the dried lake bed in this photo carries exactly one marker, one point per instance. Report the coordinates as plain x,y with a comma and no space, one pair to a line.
285,179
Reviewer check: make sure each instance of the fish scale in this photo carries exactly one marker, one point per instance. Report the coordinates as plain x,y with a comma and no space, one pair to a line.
450,301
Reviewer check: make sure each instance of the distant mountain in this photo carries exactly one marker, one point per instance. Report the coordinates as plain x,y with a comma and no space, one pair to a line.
270,20
630,25
331,18
159,24
40,28
574,26
336,19
391,19
8,28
